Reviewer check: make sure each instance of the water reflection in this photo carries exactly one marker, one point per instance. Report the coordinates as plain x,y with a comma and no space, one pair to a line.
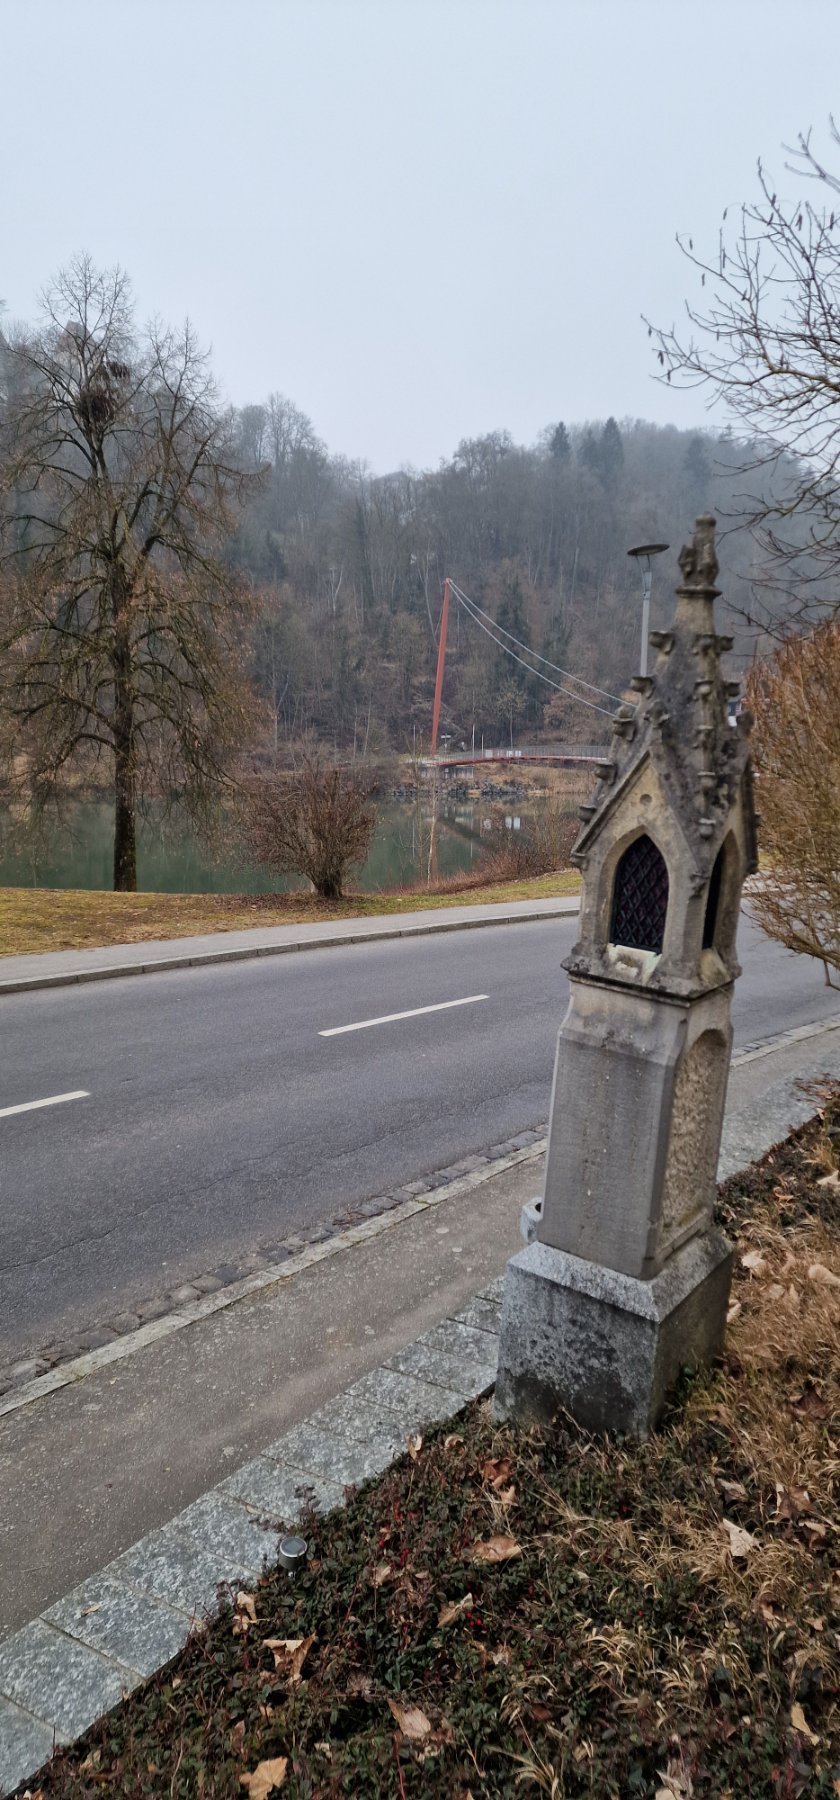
411,843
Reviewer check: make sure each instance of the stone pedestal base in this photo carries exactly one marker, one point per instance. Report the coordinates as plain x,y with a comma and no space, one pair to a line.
604,1346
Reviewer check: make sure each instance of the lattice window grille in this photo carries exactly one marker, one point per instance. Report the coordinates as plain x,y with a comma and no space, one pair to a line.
640,897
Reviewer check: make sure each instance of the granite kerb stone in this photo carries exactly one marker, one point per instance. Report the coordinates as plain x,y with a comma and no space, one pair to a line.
452,1355
25,1743
180,1571
63,1683
132,1628
281,1492
329,1453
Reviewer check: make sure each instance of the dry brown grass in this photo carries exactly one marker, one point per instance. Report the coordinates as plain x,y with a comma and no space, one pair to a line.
37,919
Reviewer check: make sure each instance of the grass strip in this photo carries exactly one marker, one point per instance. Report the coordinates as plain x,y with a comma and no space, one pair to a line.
39,919
554,1613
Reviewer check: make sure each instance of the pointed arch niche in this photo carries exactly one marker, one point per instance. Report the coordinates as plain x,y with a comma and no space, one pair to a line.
721,917
640,897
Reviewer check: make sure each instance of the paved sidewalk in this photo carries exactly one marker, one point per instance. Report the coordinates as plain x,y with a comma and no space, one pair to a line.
58,968
176,1466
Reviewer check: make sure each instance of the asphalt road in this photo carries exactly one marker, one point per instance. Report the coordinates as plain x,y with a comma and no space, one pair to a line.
218,1118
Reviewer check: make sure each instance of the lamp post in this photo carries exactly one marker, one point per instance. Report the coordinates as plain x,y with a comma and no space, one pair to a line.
643,554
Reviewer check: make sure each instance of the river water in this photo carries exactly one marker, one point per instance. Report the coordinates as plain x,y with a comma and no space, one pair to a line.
172,859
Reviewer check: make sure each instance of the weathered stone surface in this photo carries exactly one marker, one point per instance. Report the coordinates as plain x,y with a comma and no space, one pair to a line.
602,1345
362,1424
206,1284
282,1493
481,1315
25,1744
415,1402
495,1290
636,1124
59,1679
453,1356
178,1571
28,1369
225,1525
331,1456
138,1632
643,1052
124,1322
184,1295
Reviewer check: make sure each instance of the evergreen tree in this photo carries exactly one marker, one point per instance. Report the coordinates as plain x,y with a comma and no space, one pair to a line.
559,447
611,459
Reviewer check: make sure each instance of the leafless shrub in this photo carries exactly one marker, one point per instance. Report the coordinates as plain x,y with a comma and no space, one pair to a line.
317,820
540,849
796,701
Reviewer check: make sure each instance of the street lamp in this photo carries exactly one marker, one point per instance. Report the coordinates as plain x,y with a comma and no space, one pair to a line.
643,554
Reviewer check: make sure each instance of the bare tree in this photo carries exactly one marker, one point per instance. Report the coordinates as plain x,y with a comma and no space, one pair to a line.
796,748
316,821
766,342
120,623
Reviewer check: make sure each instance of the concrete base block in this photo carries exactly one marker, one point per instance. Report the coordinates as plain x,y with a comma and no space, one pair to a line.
606,1347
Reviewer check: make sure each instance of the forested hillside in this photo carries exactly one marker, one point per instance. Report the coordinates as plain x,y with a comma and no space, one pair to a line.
350,568
344,568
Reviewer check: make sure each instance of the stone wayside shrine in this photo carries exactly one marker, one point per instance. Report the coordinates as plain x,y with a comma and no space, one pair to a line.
626,1280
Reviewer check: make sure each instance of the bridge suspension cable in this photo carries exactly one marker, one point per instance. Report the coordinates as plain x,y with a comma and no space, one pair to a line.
489,625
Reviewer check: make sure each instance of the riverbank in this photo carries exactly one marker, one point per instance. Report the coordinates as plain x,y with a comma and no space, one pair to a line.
34,920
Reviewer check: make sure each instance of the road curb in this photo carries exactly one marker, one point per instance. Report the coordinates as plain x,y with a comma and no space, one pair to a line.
261,1282
23,984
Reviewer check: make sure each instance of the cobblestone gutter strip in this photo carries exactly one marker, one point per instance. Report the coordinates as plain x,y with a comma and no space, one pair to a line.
22,984
66,1668
26,1382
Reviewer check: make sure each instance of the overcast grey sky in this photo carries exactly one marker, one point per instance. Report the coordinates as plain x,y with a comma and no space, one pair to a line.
421,219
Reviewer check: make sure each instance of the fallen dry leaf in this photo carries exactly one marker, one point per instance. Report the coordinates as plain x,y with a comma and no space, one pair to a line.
792,1502
677,1785
507,1496
800,1723
734,1312
414,1444
830,1181
755,1262
245,1613
497,1470
290,1654
809,1403
823,1277
265,1778
87,1610
380,1574
733,1490
454,1609
452,1441
816,1624
412,1722
769,1612
495,1550
501,1656
325,1749
740,1542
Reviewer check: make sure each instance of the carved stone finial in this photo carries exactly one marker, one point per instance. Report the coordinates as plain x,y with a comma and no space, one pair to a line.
698,562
